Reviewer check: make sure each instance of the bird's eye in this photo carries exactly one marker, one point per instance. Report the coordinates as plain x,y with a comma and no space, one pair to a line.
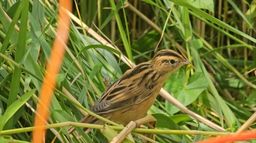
172,61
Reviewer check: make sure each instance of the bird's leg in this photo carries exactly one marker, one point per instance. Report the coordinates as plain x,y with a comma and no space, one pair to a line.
130,126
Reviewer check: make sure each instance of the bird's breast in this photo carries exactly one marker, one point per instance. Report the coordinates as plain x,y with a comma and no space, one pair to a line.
137,111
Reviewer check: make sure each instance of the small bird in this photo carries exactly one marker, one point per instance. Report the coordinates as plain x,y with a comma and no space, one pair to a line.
130,97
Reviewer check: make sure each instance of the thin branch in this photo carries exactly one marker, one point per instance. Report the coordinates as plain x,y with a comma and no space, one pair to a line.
247,124
94,126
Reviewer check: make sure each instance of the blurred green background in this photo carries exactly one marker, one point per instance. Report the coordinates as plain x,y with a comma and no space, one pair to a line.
218,37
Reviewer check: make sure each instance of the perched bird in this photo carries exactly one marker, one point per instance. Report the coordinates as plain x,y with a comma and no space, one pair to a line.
130,97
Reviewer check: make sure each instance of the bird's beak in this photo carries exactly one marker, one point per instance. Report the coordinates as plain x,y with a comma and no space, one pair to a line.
186,62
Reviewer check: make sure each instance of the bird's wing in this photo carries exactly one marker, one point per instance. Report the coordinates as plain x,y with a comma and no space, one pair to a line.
123,93
118,97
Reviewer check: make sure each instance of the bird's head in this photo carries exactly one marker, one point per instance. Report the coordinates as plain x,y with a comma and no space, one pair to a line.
168,61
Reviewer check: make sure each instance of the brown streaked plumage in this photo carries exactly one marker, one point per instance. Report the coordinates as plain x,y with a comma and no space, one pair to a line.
130,97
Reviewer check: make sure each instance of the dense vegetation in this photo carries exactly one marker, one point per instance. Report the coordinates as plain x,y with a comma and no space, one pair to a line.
216,36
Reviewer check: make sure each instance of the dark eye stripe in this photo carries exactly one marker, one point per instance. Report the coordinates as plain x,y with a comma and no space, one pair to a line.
171,61
164,61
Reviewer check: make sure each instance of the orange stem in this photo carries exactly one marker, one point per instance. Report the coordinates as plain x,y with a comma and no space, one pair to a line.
52,69
243,136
